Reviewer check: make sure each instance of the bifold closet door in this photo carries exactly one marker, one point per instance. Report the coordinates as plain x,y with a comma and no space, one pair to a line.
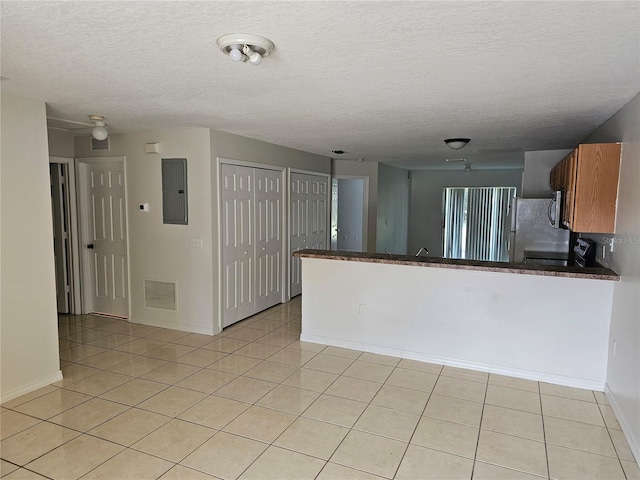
268,228
238,245
308,220
251,240
318,210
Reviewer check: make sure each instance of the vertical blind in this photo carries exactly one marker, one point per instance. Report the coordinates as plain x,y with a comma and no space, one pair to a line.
475,222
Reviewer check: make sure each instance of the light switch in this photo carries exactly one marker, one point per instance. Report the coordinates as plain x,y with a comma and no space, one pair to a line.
196,243
144,207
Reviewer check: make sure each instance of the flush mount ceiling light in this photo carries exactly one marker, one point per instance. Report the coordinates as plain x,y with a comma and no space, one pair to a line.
242,47
99,132
456,143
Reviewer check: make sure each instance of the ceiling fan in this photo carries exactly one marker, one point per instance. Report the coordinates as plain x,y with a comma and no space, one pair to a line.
97,128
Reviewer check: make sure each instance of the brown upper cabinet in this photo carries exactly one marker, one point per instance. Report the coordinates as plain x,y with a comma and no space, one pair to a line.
589,178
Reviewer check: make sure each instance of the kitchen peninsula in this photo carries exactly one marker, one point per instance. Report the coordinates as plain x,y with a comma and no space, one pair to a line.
546,323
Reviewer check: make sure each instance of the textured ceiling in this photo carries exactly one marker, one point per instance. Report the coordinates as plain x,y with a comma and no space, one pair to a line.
385,81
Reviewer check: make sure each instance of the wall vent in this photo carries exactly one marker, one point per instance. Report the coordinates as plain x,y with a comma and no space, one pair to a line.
160,295
100,145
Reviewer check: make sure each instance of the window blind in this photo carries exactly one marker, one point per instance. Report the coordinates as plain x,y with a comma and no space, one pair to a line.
475,222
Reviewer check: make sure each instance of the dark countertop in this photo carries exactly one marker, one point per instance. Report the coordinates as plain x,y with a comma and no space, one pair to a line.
592,273
546,255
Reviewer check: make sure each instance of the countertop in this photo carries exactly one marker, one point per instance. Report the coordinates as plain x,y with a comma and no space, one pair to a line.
593,273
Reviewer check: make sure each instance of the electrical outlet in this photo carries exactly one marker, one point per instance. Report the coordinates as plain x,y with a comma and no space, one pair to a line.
363,309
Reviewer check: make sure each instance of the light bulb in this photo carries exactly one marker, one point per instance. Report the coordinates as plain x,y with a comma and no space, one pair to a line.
235,55
255,58
100,132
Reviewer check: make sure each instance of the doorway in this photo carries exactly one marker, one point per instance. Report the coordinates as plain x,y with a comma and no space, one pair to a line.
65,234
349,213
102,214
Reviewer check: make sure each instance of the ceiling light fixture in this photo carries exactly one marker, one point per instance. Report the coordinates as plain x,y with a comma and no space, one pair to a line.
467,168
456,143
243,47
450,160
99,132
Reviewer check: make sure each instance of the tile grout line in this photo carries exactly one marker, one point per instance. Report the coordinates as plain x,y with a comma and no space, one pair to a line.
544,433
419,420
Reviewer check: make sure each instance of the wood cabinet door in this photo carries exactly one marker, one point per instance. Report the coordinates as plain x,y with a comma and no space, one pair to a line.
569,166
596,188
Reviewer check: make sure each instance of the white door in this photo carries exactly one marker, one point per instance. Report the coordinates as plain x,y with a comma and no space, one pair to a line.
237,243
268,227
299,226
309,218
105,237
319,212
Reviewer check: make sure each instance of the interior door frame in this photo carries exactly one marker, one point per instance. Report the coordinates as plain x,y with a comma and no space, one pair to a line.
75,280
365,207
284,210
83,205
291,171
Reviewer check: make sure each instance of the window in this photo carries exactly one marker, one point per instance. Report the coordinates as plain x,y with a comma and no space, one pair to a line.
475,222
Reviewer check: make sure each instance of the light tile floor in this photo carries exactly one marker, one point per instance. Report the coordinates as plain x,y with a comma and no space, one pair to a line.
141,402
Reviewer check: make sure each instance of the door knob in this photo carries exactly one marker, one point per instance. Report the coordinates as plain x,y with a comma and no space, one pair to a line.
245,252
90,246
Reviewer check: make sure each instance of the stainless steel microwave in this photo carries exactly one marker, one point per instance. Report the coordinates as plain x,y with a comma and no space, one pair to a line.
555,209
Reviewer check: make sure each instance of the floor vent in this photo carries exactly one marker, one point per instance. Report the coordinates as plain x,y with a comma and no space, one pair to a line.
160,295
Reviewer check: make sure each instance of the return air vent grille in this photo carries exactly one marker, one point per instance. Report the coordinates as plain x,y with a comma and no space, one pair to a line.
160,295
100,145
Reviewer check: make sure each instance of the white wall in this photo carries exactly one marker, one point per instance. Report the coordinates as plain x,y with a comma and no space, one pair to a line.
28,315
425,205
486,321
537,168
366,170
623,376
393,209
61,144
163,252
235,147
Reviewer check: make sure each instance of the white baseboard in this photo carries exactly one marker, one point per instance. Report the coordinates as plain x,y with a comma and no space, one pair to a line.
454,362
30,387
185,327
634,443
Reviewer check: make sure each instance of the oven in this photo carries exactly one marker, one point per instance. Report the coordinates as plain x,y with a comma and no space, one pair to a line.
584,251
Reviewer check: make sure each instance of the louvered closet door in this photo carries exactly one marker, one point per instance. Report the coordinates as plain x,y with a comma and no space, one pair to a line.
238,245
309,220
268,227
